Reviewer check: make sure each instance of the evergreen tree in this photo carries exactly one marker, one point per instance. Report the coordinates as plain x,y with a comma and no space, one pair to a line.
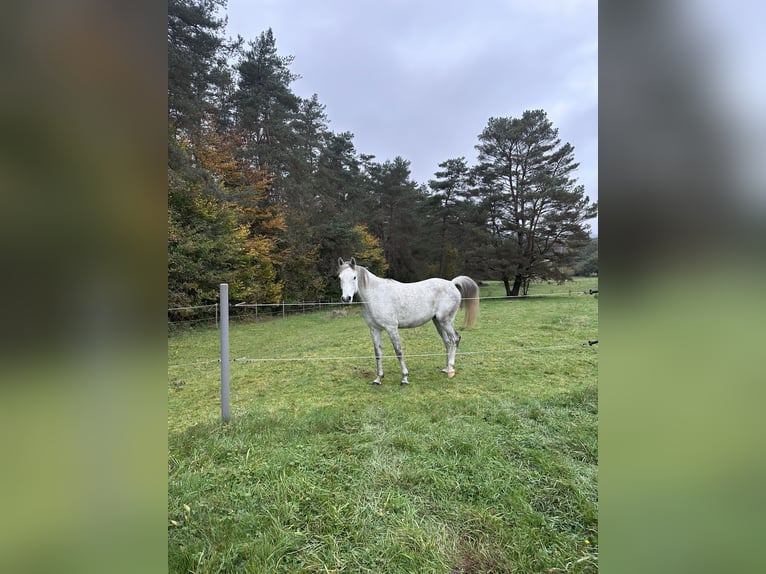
264,107
587,265
340,182
196,61
447,213
395,200
535,210
309,135
310,126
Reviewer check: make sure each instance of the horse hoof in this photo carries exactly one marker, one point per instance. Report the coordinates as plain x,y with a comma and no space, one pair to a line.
450,374
405,383
376,383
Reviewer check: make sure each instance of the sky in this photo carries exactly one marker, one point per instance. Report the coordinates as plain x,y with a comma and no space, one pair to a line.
421,78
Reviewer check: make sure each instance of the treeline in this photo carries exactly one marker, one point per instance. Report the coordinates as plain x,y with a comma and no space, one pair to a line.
263,195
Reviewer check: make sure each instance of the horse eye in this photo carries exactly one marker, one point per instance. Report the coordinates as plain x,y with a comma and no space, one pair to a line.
354,277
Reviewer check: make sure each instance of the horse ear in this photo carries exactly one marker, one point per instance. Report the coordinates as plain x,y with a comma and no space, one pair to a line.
353,263
340,262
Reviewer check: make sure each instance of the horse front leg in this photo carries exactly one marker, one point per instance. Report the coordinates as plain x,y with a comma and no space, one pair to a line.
397,343
377,343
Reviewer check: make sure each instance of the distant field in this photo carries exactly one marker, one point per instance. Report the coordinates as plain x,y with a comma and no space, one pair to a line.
494,470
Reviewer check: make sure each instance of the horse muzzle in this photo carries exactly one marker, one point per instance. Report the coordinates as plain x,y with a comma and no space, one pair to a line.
346,298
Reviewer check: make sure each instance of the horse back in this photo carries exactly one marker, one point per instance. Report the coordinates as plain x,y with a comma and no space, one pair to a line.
406,305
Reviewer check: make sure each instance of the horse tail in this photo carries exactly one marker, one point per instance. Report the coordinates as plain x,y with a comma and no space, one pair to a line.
469,291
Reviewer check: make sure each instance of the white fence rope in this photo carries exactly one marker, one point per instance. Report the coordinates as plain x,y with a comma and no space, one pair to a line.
302,304
385,357
341,304
193,307
406,356
310,306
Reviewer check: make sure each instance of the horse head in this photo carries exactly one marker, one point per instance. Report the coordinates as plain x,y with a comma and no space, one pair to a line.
349,284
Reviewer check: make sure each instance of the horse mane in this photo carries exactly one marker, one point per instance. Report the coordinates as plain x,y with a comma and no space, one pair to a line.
362,276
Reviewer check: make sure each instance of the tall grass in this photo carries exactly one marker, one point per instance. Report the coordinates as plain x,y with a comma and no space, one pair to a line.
319,471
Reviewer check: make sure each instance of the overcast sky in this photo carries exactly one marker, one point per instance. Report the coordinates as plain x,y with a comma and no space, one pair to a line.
420,79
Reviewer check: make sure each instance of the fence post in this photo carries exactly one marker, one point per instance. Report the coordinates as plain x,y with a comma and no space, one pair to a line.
224,304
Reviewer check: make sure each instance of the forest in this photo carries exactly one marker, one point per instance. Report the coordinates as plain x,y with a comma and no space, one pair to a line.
264,196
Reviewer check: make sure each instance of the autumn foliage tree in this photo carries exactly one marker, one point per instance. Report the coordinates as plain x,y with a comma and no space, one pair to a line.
244,190
221,227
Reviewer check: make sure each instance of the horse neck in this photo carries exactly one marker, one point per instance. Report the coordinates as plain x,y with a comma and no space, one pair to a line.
367,281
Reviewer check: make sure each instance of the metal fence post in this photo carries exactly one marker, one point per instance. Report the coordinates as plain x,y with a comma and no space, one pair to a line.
224,304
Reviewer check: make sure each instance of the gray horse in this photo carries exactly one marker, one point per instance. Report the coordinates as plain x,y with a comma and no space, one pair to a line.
388,305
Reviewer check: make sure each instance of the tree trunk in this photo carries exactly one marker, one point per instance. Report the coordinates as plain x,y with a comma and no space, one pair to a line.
517,282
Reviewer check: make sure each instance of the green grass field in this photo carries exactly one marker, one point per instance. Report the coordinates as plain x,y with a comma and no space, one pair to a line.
494,470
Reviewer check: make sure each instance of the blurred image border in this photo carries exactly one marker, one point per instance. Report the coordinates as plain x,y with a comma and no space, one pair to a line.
83,405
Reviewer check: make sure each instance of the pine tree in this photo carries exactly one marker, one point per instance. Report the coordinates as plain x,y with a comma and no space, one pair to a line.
447,214
536,213
196,61
264,106
395,201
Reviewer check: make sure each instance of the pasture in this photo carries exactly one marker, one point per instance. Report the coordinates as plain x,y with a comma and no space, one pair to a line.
494,470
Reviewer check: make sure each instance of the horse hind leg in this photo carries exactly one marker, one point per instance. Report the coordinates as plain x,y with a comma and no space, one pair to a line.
452,352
